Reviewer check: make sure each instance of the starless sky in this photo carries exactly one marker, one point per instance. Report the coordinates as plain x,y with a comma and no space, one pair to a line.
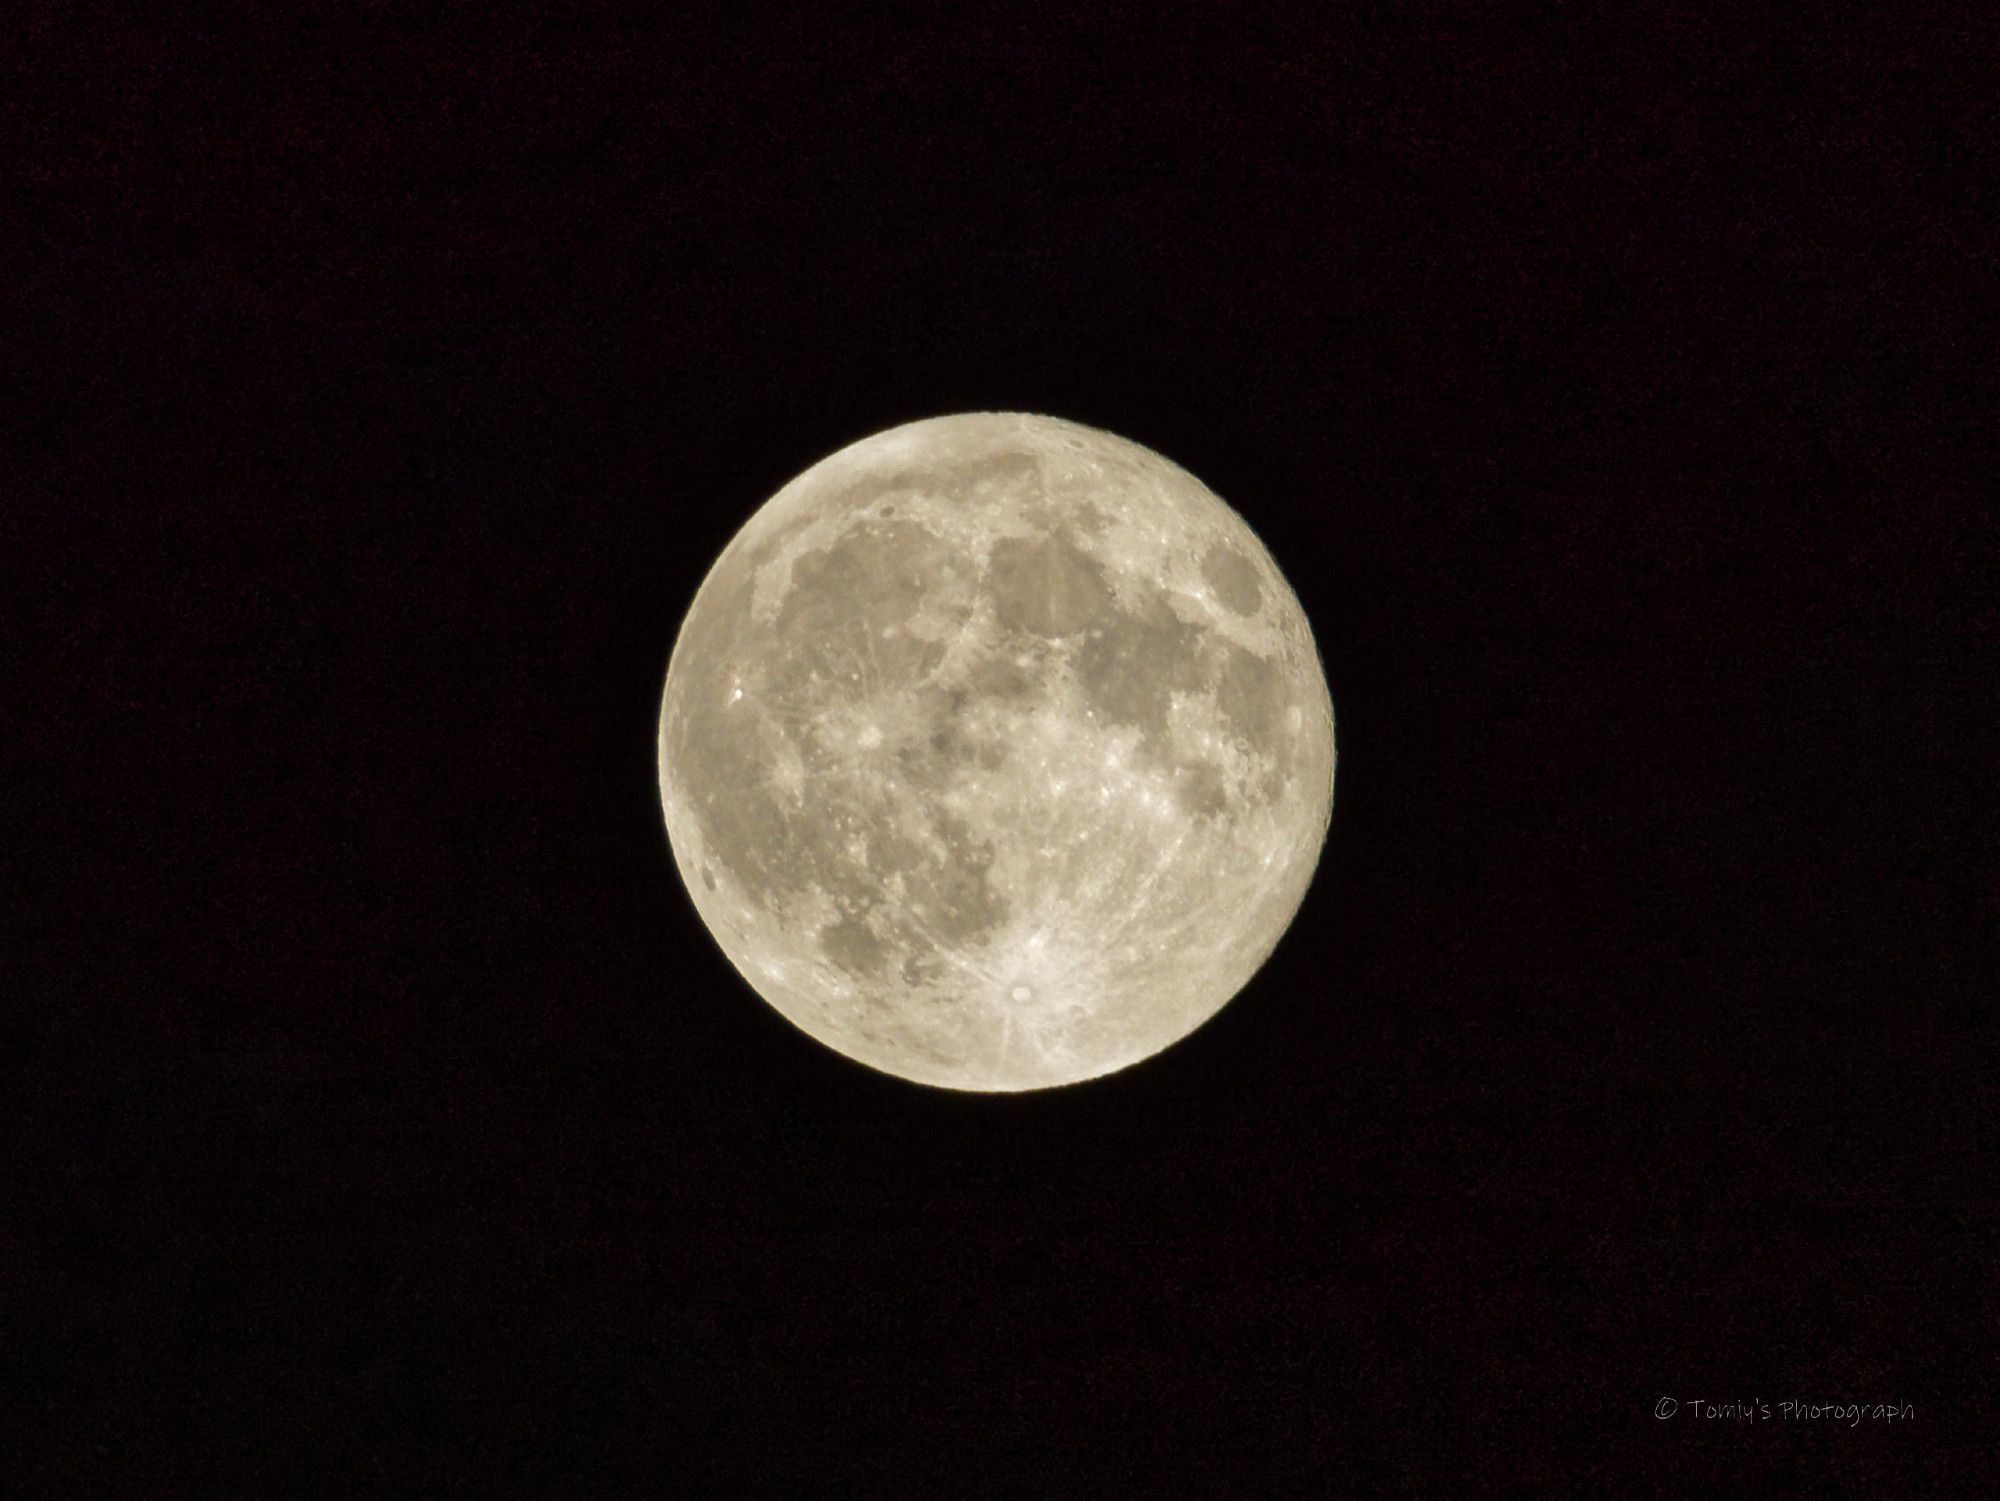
386,1122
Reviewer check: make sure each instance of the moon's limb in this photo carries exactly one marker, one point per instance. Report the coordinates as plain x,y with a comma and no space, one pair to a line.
995,752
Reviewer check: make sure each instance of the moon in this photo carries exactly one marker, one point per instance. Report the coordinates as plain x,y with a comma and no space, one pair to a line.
995,752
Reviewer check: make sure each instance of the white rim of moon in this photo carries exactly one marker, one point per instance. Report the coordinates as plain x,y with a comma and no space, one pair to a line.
995,752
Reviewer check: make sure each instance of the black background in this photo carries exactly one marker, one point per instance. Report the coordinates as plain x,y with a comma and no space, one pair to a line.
384,1122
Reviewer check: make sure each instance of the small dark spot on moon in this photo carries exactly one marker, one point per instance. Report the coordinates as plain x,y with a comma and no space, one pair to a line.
1250,690
872,569
851,944
708,878
999,472
1045,586
1130,671
1199,790
850,605
947,742
1001,677
891,850
1233,577
966,905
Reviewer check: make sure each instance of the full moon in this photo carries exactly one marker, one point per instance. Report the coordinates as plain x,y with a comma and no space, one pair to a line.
995,752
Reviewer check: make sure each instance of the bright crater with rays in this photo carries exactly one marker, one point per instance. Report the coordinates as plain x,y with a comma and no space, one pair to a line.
995,752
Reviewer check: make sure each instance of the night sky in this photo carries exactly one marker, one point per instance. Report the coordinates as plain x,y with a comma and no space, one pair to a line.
384,1122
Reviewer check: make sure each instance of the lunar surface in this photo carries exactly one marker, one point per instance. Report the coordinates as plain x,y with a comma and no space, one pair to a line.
995,752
